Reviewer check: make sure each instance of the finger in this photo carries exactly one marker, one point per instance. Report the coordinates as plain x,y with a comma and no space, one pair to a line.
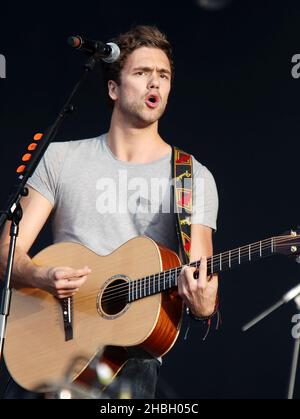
72,273
76,273
188,271
70,284
210,278
65,295
180,277
213,278
188,283
182,291
202,281
181,281
187,278
81,272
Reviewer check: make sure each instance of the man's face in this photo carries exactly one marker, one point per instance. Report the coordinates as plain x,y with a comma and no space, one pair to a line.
145,86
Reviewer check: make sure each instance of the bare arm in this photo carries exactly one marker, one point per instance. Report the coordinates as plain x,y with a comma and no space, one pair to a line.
199,295
60,281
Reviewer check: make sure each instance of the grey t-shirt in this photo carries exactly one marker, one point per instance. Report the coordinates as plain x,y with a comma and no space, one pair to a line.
102,202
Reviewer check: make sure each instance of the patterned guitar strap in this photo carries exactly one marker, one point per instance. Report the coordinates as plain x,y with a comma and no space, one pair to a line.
183,204
183,200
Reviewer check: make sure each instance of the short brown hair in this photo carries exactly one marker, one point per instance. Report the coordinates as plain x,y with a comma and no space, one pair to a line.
137,37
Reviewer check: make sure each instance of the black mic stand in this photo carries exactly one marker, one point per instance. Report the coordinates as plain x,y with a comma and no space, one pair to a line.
13,210
293,294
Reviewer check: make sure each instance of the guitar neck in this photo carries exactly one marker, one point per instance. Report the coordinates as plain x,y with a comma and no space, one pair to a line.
236,257
157,283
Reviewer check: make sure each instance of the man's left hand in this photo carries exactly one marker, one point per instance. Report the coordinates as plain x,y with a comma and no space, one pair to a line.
198,291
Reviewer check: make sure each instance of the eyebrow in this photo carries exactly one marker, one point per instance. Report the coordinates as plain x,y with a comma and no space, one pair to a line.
160,70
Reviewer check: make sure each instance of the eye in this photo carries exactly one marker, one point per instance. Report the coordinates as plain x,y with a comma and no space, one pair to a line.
164,76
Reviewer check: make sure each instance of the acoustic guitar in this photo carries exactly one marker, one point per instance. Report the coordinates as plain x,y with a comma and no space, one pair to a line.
130,299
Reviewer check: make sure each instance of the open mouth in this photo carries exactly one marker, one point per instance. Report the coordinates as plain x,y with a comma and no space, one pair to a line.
152,101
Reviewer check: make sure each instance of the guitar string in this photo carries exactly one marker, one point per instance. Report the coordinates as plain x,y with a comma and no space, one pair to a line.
158,280
140,283
216,264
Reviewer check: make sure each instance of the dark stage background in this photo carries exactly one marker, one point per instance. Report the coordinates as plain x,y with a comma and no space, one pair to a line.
235,106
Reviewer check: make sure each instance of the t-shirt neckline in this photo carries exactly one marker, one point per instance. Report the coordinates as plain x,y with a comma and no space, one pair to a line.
125,163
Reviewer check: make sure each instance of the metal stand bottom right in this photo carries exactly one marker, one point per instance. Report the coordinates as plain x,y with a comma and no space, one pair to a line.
294,367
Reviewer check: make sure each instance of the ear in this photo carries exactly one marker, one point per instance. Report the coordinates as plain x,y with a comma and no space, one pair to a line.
113,90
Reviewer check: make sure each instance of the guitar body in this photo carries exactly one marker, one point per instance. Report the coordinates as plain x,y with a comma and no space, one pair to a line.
37,350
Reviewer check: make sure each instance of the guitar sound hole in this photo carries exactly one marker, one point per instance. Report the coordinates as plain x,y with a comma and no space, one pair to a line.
115,297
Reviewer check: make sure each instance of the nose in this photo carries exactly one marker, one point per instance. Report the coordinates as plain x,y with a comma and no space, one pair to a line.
154,81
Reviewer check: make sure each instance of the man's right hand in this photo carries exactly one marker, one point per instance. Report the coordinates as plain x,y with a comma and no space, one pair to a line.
63,281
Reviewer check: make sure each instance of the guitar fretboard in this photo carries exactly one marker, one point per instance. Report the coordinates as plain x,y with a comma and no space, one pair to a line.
162,281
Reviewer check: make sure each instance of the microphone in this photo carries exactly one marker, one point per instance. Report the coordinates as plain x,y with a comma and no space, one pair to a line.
108,52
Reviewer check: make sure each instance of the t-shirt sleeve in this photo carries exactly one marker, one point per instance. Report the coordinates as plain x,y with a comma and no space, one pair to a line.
205,197
45,178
